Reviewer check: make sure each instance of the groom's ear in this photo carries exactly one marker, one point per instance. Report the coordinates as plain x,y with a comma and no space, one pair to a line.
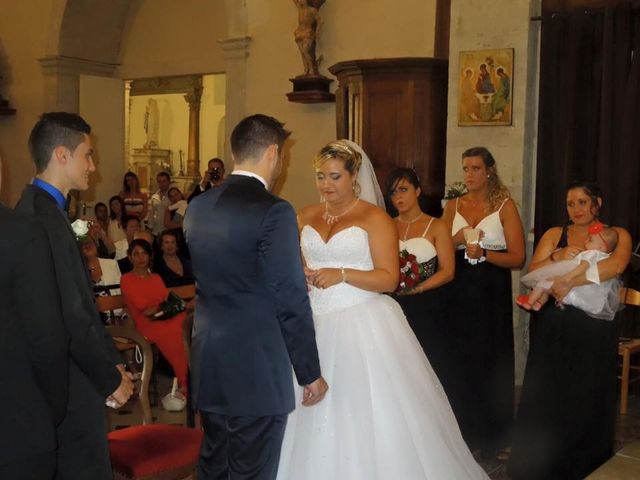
271,153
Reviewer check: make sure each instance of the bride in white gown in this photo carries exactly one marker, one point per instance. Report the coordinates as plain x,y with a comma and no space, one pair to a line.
385,415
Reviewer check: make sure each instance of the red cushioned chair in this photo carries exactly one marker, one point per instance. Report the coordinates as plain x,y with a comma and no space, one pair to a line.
151,451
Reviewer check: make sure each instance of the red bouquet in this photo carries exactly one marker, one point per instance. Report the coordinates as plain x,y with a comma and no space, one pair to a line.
411,272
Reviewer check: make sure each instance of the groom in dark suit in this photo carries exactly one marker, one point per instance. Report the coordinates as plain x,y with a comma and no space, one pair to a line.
253,318
62,152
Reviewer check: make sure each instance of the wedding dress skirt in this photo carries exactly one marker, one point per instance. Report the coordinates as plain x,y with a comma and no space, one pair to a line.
385,415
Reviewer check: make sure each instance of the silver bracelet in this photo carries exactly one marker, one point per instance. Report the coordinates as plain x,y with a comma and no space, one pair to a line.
344,275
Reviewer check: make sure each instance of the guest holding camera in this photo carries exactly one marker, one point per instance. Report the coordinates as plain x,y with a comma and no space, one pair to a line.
213,177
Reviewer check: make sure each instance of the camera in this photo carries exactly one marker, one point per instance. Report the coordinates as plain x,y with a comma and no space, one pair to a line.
215,174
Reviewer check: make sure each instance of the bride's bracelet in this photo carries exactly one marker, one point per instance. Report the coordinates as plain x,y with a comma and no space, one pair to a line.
344,275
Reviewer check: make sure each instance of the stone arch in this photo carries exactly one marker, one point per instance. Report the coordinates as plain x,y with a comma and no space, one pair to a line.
85,40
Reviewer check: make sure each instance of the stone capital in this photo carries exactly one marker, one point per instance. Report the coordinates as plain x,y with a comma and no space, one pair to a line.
235,47
62,65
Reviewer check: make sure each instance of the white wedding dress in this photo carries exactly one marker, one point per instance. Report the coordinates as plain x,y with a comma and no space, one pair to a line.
385,415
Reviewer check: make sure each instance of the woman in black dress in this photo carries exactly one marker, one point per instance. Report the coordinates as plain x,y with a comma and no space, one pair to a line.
487,233
428,239
565,424
173,268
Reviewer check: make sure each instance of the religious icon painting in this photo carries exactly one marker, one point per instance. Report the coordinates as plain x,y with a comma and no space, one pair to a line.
485,95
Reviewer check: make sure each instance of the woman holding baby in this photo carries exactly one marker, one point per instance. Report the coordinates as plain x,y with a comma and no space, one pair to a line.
565,423
489,240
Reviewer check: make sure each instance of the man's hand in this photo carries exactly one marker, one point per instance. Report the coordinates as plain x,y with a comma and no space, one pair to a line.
125,389
314,392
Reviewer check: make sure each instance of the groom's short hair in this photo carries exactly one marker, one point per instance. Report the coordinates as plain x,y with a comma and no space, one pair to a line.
254,134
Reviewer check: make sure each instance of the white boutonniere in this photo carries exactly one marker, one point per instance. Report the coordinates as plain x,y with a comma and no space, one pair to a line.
80,228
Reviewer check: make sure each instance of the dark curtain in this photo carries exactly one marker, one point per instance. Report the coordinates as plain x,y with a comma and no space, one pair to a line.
589,117
589,114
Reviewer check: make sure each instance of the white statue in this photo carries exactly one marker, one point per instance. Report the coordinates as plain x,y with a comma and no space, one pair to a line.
151,124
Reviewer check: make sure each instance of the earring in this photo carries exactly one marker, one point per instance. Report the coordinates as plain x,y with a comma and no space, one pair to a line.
356,188
488,176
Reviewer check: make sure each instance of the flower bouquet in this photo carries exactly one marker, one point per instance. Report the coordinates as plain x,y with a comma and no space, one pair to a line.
411,272
454,190
170,307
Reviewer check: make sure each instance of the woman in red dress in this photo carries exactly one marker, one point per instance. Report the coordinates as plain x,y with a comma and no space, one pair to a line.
143,293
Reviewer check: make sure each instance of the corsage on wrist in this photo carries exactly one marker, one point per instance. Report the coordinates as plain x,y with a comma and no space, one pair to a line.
475,261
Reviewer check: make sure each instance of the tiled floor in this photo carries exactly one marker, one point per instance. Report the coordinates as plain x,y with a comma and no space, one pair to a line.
624,465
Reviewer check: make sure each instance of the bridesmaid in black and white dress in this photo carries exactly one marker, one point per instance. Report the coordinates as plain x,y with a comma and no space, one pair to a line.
429,240
487,233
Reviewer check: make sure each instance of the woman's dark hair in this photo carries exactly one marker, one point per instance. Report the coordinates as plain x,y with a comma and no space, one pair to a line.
125,186
112,215
129,218
591,190
168,233
100,204
142,243
410,176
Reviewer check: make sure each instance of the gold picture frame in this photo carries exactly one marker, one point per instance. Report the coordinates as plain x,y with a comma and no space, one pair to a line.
485,95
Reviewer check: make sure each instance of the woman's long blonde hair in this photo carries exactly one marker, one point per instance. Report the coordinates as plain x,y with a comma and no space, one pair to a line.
497,193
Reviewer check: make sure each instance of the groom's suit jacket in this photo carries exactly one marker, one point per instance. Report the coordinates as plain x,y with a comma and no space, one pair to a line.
253,319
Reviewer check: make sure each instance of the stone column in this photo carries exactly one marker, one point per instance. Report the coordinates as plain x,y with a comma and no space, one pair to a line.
193,154
236,52
62,80
127,124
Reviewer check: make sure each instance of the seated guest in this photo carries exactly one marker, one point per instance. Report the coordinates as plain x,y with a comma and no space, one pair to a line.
116,219
103,271
102,218
143,292
135,202
174,214
125,263
131,226
105,247
173,268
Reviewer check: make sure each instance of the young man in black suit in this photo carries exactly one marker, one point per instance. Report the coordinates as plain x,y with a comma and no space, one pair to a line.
33,351
253,318
61,149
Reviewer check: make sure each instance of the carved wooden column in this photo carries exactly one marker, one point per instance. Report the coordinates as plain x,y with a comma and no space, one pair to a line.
193,154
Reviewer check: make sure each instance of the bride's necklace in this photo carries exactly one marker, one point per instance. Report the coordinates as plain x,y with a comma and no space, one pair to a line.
409,222
330,218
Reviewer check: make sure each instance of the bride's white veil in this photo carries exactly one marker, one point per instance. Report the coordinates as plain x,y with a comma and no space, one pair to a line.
370,189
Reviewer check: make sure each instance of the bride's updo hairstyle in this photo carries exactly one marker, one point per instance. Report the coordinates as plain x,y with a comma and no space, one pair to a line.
340,150
497,192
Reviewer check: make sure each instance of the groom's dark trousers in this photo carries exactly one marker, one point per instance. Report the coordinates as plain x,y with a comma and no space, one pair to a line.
252,323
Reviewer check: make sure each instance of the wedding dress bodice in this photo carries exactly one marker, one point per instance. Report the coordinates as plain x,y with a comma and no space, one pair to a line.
349,248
